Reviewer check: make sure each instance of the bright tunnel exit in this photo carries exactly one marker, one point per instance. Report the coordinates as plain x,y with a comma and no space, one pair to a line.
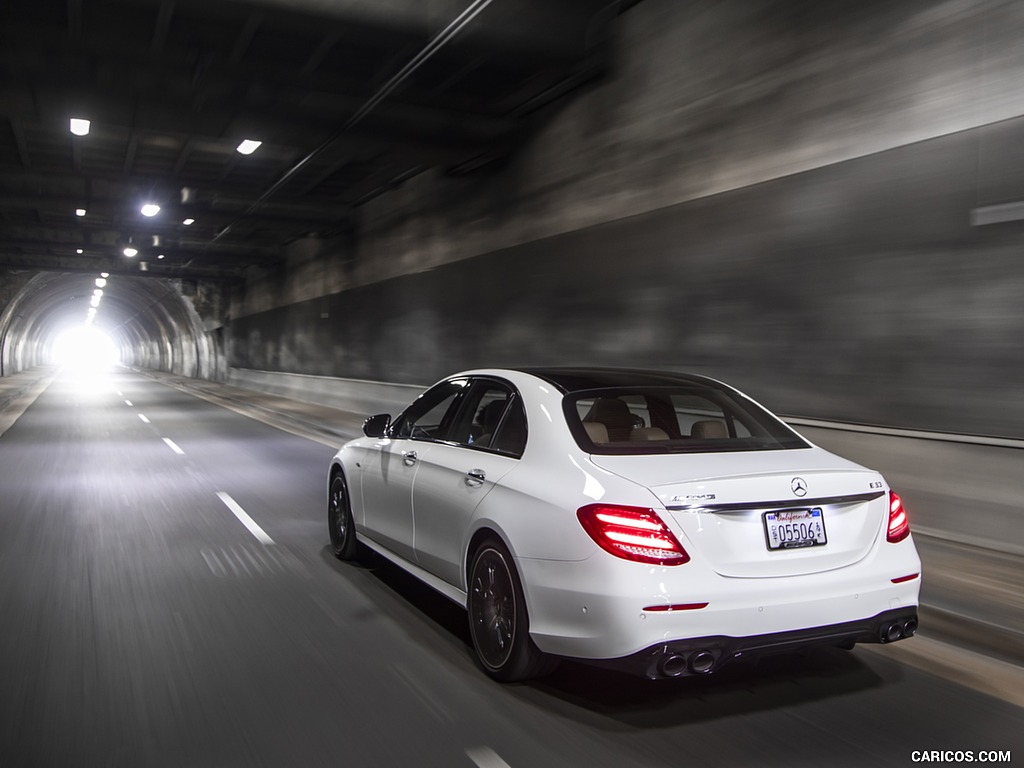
85,348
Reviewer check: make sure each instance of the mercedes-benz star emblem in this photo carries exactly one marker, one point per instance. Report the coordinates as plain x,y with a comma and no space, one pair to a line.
799,486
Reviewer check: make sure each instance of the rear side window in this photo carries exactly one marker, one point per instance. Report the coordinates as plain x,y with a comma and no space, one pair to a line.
490,417
673,419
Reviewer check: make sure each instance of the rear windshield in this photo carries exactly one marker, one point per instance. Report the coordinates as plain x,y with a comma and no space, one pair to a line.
685,418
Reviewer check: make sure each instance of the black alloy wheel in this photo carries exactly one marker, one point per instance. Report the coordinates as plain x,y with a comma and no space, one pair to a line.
498,621
339,520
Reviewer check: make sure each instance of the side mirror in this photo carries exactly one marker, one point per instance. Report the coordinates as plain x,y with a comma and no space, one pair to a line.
376,426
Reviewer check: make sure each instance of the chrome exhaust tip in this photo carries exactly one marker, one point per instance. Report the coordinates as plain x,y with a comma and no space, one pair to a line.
672,665
701,662
892,633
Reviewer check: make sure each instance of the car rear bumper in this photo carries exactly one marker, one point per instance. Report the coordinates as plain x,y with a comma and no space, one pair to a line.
704,655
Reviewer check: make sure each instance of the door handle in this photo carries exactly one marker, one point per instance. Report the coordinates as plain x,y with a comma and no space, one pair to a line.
409,458
476,476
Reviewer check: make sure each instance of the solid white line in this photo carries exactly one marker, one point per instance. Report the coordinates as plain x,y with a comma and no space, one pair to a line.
173,446
144,419
247,521
485,757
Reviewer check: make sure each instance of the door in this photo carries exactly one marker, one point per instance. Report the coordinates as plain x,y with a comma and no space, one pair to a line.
394,460
483,444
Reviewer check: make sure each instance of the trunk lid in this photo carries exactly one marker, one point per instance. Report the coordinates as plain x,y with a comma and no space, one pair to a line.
737,510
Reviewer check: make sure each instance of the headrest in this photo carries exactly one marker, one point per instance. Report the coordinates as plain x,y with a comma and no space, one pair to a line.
708,429
596,431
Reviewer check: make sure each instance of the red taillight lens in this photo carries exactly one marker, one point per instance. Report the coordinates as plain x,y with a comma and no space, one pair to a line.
632,533
899,526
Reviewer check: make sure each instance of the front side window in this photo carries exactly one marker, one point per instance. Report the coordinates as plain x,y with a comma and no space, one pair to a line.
684,418
429,417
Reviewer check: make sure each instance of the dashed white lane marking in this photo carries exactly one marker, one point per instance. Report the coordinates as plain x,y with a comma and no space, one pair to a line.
144,419
173,446
244,519
127,402
485,757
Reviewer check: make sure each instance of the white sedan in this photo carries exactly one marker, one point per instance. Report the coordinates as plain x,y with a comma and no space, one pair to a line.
660,523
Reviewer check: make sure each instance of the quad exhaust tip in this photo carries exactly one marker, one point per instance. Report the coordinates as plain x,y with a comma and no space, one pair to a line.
676,664
701,662
898,630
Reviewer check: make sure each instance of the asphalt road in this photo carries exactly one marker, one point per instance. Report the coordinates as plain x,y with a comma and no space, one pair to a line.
144,623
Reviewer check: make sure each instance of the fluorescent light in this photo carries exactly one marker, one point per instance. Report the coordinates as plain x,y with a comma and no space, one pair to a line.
79,126
79,211
150,209
104,274
97,292
160,256
248,146
189,222
79,251
129,252
101,282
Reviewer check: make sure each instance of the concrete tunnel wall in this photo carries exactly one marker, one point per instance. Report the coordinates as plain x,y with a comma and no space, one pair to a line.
800,198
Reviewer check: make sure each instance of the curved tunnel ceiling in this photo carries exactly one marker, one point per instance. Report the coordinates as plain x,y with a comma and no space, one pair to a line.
149,321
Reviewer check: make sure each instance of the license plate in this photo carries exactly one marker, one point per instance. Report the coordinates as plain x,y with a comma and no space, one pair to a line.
794,528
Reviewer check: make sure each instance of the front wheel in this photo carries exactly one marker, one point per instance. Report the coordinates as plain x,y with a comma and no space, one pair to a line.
339,520
498,621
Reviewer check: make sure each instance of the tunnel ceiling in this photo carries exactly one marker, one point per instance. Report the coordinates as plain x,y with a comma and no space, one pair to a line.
349,98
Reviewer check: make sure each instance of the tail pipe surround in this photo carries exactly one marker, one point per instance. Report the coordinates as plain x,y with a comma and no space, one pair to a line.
699,662
897,630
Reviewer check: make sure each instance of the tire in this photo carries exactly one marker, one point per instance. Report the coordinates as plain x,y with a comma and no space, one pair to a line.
339,520
498,621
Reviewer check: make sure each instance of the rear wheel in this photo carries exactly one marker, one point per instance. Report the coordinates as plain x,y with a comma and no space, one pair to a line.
339,520
498,621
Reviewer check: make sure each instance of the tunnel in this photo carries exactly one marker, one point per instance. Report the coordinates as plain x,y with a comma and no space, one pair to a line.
285,217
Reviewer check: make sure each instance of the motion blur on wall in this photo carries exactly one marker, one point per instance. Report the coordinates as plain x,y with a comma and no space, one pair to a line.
821,202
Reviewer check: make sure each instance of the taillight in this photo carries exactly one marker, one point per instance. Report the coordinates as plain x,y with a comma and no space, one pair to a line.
632,533
899,526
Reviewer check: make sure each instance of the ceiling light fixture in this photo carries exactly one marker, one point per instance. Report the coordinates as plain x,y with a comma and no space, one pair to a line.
79,251
101,282
248,146
150,210
80,126
79,211
130,252
189,222
160,256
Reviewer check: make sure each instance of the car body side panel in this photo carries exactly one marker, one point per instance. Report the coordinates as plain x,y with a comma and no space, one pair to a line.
445,497
386,480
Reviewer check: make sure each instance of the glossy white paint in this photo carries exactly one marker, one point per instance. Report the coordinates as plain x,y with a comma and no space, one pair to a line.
586,603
